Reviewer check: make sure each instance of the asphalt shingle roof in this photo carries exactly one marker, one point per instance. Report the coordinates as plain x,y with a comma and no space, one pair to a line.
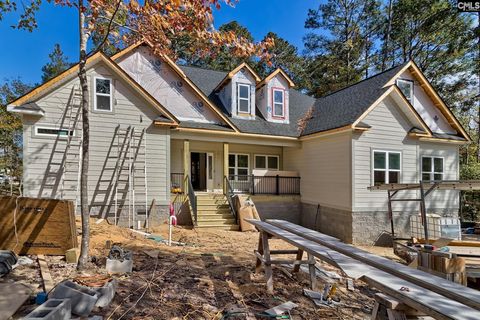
345,106
335,110
207,80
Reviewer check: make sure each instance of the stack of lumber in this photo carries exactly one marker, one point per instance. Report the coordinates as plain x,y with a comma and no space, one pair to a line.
443,264
419,290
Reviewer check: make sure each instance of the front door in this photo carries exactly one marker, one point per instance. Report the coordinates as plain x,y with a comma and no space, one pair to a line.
202,171
210,171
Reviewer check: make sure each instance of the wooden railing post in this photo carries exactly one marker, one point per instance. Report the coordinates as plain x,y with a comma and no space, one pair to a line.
277,184
253,184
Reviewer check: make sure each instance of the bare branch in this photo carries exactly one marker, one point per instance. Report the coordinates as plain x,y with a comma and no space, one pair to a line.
109,27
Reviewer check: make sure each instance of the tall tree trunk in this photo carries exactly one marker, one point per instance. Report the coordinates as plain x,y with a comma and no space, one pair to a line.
478,98
386,40
82,75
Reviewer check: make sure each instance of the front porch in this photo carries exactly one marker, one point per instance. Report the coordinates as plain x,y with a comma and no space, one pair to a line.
249,168
205,175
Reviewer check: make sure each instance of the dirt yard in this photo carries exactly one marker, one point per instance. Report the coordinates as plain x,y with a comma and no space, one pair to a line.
211,277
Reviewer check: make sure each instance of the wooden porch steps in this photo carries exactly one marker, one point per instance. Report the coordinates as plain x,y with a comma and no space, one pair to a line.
213,211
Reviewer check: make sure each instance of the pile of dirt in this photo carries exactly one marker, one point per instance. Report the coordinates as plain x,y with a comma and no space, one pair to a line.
211,277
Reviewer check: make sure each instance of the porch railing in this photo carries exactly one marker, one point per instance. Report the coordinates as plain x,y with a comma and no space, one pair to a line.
192,198
176,182
277,185
229,193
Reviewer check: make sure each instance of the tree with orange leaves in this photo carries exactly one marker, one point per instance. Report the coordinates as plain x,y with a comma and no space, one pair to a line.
155,22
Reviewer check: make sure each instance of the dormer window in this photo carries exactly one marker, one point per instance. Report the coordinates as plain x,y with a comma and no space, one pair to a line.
103,94
278,103
243,98
406,86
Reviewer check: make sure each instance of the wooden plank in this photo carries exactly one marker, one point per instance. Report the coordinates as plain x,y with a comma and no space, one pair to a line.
48,283
416,297
40,226
12,297
449,289
266,263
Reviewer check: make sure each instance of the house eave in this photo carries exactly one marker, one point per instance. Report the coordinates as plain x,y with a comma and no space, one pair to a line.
18,109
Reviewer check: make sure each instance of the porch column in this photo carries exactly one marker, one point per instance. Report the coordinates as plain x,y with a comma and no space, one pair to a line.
225,164
186,161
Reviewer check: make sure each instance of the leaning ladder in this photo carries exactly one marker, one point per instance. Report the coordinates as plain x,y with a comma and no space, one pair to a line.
129,172
73,156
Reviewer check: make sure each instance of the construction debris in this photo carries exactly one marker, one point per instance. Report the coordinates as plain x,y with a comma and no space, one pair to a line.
281,309
83,299
7,261
119,260
53,309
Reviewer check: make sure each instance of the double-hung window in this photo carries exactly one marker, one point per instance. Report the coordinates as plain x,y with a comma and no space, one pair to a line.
406,86
266,162
432,168
103,94
386,167
243,98
238,167
278,103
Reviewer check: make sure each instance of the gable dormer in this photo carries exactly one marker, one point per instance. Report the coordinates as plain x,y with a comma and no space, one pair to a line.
273,97
237,92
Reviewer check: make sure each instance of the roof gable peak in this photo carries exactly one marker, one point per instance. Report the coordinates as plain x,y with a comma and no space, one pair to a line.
275,73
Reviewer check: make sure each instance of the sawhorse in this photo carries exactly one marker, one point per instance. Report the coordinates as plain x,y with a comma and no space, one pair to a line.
264,254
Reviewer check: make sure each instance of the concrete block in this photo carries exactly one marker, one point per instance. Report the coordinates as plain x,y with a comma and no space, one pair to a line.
116,266
106,293
83,299
71,255
53,309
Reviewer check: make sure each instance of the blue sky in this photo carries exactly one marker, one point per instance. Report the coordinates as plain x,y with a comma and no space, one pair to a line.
23,54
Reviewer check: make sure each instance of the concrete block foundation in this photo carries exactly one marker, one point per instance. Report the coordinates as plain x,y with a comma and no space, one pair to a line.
334,222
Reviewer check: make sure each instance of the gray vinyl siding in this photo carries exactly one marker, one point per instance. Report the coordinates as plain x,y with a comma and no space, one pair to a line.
389,132
129,109
324,165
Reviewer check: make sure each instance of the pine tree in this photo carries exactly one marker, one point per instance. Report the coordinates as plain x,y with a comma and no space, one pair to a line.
341,51
285,56
57,64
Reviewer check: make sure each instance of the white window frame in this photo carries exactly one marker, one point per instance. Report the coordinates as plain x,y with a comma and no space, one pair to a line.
432,171
236,167
95,93
387,169
52,135
247,99
274,103
412,87
266,156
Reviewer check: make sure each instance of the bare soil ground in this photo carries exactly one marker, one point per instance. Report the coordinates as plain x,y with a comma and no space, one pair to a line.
210,278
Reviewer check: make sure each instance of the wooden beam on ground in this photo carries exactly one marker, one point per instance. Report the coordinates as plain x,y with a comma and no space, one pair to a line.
46,276
12,297
415,296
449,289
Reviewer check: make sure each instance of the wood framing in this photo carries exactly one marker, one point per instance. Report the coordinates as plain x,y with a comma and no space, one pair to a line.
291,84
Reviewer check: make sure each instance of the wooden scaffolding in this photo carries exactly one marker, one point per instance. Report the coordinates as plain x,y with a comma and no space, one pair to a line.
425,188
